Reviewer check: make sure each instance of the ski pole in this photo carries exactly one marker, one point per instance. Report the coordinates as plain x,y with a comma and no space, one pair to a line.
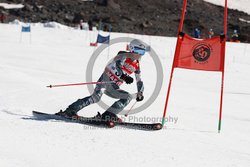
130,109
76,84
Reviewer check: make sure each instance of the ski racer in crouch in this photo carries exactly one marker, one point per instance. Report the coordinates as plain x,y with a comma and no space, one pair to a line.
116,72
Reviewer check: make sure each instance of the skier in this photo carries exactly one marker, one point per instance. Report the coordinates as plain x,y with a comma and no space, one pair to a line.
197,33
235,36
2,17
210,33
81,24
116,72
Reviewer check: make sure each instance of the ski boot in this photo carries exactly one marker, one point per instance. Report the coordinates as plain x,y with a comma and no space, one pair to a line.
67,114
98,116
110,118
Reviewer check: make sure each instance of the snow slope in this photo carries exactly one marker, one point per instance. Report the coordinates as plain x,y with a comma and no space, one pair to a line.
241,5
57,56
11,6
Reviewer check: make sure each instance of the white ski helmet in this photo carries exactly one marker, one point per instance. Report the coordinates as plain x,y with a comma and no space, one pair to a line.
137,46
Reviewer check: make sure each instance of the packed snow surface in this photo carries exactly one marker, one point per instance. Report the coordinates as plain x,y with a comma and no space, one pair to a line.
11,6
241,5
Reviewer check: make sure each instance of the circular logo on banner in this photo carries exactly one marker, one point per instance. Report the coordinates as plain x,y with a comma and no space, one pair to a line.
201,52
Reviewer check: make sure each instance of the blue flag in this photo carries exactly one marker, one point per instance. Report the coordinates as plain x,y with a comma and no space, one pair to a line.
102,39
25,28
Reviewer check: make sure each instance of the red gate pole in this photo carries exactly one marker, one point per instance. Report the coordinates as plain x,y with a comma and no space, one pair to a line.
167,97
182,15
225,19
223,65
221,100
172,70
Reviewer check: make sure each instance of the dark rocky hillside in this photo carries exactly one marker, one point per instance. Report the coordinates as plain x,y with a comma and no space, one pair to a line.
154,17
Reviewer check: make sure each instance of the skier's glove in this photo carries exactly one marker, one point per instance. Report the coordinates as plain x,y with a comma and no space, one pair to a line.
140,96
127,78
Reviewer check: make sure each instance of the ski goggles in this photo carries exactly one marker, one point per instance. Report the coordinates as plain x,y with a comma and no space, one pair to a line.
139,51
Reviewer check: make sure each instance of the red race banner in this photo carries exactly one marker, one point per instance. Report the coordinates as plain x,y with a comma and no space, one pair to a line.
200,54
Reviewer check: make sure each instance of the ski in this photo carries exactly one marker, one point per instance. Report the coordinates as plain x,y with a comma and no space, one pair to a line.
98,122
83,120
140,126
